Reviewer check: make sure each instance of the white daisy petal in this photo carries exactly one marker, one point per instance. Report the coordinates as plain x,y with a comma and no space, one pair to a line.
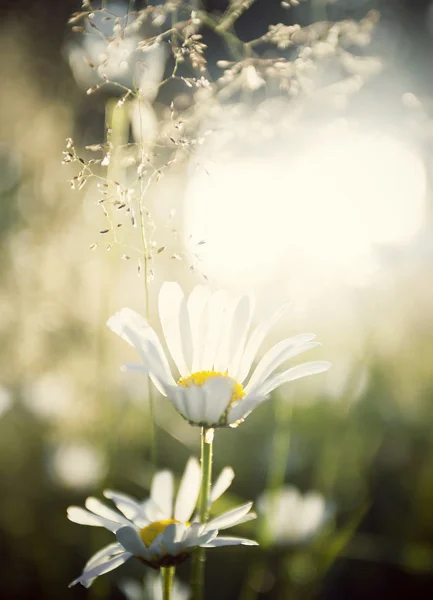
193,532
229,541
200,540
127,505
189,490
212,335
76,514
161,492
222,356
218,392
175,393
249,517
276,356
135,330
196,305
309,368
172,536
242,317
87,577
221,484
151,511
131,541
103,555
255,341
174,317
243,408
194,402
156,548
229,518
97,507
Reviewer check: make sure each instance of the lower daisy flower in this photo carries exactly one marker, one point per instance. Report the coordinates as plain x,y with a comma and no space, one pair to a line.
155,532
208,338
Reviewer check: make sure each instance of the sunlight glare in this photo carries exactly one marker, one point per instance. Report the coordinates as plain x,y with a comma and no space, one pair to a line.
321,209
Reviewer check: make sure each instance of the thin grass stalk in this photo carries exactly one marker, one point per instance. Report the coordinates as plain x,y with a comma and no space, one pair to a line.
143,189
206,479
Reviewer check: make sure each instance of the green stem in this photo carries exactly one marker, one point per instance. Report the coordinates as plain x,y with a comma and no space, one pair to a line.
206,471
206,478
167,574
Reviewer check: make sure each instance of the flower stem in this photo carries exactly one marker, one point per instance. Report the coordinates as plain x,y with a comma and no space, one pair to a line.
167,574
206,478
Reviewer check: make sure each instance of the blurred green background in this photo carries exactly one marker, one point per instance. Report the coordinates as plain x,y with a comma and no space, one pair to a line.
71,424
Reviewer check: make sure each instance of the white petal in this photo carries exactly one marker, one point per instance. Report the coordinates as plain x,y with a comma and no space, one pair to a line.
156,548
161,492
222,356
243,408
218,392
309,368
229,518
151,511
254,343
189,490
134,329
212,329
249,517
76,514
127,505
87,577
241,323
172,536
104,554
230,541
175,393
194,402
193,532
131,541
200,540
277,355
196,304
221,484
97,507
173,314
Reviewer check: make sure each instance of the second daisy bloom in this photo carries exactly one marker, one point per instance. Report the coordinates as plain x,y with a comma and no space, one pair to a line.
207,335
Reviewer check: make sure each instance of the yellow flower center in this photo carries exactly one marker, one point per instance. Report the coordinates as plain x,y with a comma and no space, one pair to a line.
150,532
201,377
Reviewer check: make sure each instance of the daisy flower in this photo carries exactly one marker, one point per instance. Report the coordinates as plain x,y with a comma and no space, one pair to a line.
292,517
154,531
207,337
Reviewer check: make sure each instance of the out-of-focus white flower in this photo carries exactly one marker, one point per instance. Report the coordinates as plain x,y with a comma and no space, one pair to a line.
292,517
152,587
207,336
77,465
50,397
5,400
155,532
